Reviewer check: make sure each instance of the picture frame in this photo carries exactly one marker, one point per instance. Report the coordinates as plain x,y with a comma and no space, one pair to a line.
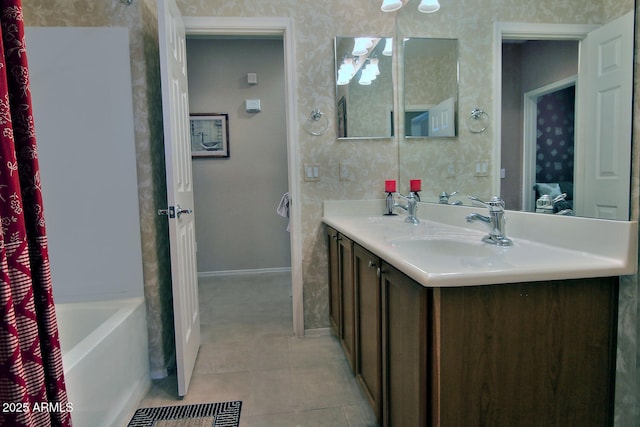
209,134
342,118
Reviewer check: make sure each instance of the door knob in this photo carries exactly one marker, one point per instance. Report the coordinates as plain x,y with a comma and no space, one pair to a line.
180,211
173,211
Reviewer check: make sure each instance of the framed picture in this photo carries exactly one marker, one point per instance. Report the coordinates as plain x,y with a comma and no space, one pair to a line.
342,118
209,134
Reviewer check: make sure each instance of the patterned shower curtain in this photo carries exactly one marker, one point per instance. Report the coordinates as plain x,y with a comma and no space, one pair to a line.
32,390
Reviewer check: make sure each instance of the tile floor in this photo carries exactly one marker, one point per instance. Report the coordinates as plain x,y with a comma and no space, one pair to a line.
249,353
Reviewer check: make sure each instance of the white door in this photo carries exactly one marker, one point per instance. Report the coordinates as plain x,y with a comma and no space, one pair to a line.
603,152
442,119
175,106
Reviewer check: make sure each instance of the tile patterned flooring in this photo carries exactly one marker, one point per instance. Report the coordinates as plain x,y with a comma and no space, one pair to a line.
249,353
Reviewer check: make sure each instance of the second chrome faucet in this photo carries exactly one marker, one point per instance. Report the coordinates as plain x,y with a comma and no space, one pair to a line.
495,221
411,206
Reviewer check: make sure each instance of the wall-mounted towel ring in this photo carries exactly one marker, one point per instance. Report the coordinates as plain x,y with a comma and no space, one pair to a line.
478,121
317,123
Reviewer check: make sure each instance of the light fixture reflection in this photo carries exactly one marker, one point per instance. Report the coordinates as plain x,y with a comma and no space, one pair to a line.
361,46
365,77
388,46
391,5
429,6
373,65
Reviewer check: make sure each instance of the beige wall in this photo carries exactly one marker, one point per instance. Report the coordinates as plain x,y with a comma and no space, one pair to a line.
315,25
237,227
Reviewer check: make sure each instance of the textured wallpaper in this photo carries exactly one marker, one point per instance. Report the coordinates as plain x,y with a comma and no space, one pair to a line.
555,136
371,161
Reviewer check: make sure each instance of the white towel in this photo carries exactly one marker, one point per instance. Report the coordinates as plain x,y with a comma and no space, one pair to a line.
283,207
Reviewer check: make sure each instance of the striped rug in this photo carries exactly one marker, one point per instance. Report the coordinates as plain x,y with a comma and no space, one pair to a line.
223,414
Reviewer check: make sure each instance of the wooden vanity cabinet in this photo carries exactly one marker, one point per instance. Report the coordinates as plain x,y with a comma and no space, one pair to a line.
525,354
520,354
347,299
405,338
342,292
368,367
334,280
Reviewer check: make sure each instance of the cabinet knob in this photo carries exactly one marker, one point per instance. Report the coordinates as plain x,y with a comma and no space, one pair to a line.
371,264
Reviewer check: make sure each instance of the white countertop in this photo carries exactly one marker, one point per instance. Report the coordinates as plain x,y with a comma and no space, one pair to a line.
444,250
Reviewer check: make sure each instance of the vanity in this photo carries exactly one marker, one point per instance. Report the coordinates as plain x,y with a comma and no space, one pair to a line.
441,329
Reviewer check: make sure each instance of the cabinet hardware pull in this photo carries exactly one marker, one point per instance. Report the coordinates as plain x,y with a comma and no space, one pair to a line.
371,264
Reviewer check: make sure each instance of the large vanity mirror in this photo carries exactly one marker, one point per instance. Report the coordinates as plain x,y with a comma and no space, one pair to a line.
568,103
479,163
430,68
364,87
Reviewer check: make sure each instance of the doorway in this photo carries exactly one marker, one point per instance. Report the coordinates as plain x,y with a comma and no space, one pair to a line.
549,136
528,57
238,229
270,27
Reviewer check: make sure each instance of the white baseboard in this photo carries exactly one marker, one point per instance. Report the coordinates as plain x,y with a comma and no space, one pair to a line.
241,272
318,332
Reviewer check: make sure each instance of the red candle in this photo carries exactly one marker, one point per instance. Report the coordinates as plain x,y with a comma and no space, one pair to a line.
415,185
390,186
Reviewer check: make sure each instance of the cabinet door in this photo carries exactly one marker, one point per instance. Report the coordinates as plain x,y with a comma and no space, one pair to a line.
404,321
334,280
528,354
368,326
347,299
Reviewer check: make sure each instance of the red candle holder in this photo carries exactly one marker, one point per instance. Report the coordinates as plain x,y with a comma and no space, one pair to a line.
390,186
415,185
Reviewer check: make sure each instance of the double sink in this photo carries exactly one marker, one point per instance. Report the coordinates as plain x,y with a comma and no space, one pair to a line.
444,250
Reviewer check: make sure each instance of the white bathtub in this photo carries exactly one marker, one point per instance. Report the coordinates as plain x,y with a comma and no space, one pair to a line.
105,359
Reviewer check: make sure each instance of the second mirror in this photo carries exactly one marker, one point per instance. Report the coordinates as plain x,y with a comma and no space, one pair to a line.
364,87
430,87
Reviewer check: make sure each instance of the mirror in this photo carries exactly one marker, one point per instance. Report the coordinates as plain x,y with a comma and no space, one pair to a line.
364,87
472,163
573,120
430,87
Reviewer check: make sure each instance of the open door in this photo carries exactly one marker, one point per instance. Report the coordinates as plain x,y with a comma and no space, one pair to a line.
175,107
604,95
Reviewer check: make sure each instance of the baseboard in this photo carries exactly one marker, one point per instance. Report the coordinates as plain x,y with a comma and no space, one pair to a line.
318,332
242,272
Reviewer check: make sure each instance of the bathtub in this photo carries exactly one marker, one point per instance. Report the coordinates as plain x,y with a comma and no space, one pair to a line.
105,359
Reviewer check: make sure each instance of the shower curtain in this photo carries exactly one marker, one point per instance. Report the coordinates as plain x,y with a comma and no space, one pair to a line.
32,390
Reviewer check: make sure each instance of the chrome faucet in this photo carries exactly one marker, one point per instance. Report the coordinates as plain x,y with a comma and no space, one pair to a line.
495,221
411,207
444,198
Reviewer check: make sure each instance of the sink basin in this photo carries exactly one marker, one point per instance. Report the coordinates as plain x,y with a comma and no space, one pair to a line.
446,247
